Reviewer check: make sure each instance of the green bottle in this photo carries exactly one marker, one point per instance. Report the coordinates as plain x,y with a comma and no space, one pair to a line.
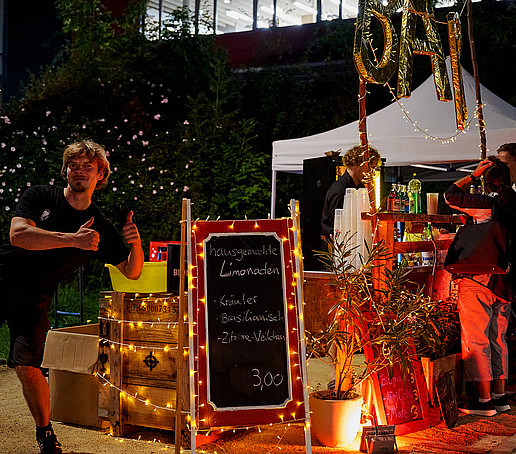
414,193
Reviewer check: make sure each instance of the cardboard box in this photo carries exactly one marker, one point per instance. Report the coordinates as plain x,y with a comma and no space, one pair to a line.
71,357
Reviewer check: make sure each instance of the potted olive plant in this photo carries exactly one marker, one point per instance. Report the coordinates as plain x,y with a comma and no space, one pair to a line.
398,321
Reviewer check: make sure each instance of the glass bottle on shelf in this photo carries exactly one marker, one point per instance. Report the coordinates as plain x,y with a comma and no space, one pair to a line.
404,200
393,200
427,256
414,194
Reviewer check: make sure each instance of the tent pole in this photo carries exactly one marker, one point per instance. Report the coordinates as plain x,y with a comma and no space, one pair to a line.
273,195
362,129
480,111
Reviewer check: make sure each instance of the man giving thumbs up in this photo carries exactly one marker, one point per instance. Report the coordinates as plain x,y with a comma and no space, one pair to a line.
53,232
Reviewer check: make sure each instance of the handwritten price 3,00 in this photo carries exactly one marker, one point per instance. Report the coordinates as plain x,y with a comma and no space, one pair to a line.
268,379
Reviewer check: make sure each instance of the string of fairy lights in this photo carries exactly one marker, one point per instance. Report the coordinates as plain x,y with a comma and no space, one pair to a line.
444,140
130,347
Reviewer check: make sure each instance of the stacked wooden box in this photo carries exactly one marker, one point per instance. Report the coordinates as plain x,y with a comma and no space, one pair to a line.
139,362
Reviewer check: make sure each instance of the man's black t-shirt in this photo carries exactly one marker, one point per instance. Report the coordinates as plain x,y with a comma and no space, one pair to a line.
27,272
335,199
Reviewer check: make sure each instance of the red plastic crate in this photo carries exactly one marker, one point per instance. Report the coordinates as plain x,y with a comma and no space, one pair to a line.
158,250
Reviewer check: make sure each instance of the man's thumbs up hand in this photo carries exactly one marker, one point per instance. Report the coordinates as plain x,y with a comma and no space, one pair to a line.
86,238
130,231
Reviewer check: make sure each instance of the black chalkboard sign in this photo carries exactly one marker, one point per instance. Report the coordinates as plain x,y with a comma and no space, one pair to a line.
447,396
245,283
247,342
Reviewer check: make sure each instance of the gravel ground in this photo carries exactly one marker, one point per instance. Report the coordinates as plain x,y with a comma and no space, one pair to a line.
18,435
472,435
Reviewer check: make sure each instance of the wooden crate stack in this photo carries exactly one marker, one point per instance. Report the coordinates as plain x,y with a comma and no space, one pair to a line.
139,361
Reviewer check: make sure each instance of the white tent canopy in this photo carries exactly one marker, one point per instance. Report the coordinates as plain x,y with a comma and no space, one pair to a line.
397,140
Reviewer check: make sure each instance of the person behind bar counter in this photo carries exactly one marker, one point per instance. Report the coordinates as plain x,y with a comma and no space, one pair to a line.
353,178
484,299
53,232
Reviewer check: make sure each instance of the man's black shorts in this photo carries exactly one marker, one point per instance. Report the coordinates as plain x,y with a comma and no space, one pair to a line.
28,323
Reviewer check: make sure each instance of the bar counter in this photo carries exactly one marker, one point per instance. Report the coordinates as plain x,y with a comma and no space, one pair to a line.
320,296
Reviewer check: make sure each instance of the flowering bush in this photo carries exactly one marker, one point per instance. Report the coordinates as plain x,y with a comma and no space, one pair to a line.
168,122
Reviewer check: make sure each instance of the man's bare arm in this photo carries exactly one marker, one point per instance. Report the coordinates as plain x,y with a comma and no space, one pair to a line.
25,234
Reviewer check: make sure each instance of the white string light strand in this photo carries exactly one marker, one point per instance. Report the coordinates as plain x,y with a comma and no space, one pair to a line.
425,131
138,323
134,396
133,347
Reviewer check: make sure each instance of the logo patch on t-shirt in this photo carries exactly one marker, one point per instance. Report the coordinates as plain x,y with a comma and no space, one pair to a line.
44,216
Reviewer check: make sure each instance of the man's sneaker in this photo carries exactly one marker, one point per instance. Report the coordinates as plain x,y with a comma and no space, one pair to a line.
501,404
47,441
474,407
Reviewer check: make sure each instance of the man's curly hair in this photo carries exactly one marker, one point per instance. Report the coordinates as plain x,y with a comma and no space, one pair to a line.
92,150
354,157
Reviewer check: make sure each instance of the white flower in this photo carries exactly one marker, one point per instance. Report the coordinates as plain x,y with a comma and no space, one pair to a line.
47,113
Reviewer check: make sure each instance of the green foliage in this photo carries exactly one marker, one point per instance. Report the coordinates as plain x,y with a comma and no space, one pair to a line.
164,111
4,341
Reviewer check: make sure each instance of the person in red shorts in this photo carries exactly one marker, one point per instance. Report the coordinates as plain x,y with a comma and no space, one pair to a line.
485,299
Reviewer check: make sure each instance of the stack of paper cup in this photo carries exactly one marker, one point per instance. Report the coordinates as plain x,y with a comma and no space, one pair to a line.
350,229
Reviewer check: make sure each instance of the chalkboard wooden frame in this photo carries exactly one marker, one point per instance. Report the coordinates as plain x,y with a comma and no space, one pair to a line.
291,407
273,241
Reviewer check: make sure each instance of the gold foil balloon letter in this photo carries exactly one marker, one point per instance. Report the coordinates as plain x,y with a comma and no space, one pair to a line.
455,43
431,46
370,68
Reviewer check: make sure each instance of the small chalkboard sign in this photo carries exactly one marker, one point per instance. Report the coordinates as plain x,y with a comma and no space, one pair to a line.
249,364
400,396
400,399
447,396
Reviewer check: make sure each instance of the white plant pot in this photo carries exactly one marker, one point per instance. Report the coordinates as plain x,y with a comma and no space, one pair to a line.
335,422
